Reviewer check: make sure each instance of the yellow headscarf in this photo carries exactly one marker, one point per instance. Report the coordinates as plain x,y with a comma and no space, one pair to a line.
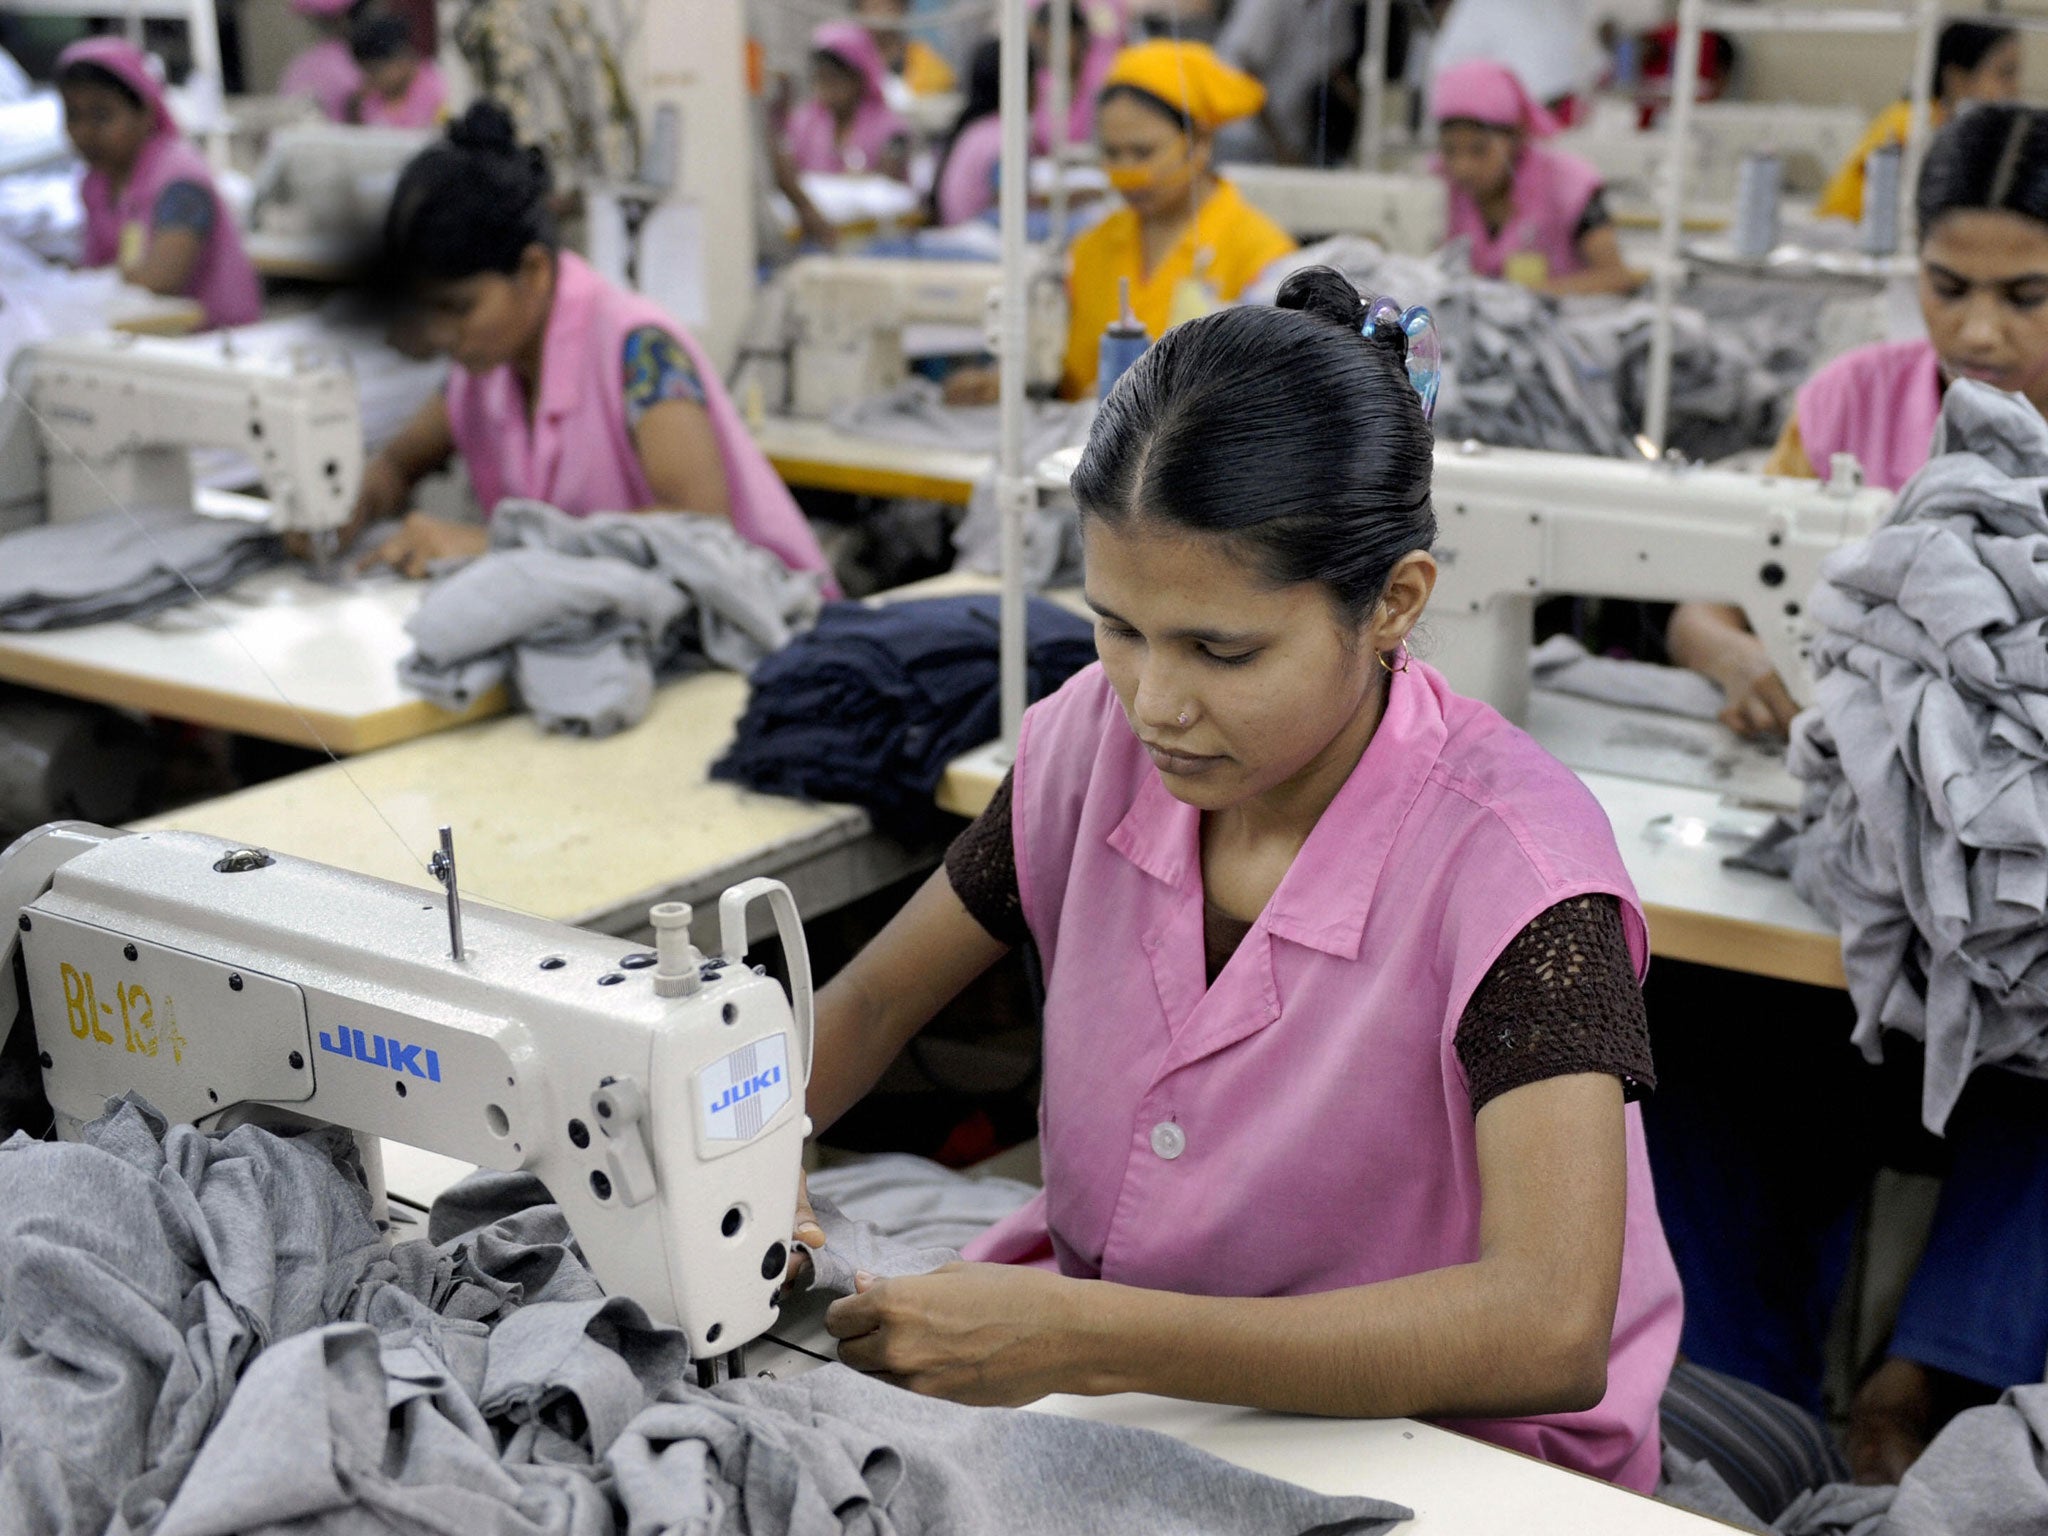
1190,78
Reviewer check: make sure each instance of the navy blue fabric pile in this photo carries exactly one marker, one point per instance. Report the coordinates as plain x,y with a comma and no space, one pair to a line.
870,706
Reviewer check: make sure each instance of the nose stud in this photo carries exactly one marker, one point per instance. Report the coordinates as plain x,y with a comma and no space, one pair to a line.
1183,717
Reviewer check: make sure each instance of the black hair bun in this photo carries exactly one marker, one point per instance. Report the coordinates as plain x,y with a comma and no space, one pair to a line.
487,128
1324,292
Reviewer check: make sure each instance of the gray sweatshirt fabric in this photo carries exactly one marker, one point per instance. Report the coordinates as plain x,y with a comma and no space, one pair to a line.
583,615
123,565
1986,1474
1923,829
205,1335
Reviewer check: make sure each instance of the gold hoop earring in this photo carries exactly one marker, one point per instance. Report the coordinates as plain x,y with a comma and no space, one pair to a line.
1387,666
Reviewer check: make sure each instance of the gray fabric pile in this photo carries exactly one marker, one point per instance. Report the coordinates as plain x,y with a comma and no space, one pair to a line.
204,1336
1924,825
1986,1474
582,615
1524,371
123,565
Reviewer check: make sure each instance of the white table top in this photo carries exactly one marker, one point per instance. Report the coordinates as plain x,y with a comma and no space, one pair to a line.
818,454
582,832
280,656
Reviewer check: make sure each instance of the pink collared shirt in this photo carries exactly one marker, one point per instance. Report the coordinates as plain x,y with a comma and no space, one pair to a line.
1551,190
576,451
328,73
223,280
419,107
1303,1124
1878,402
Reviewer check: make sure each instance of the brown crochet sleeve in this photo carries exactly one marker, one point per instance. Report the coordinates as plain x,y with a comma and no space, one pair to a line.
981,865
1561,998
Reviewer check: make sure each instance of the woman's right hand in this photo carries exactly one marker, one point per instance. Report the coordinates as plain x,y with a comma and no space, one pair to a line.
1755,701
385,491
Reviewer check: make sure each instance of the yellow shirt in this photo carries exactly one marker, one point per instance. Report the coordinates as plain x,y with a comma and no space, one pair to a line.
1842,197
1228,245
925,71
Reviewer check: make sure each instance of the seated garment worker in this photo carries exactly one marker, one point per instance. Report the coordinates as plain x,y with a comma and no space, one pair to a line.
845,125
920,68
1185,238
1973,1319
565,388
400,89
1983,219
1974,61
327,71
151,207
1261,847
1531,214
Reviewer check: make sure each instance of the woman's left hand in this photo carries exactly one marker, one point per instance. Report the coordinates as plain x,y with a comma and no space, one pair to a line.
422,542
991,1334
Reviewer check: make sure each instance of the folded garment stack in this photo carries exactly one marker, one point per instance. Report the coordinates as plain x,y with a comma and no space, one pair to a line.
1924,827
205,1335
872,704
124,565
583,615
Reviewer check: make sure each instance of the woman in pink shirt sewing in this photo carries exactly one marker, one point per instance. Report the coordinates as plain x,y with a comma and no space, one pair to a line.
846,124
327,72
151,207
1341,1009
1531,214
1983,219
399,89
565,389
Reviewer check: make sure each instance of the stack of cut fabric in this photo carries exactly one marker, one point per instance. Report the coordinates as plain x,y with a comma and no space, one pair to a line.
1925,821
870,706
1524,371
123,565
583,615
203,1335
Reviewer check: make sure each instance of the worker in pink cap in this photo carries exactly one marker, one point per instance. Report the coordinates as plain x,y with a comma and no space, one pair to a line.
845,125
400,89
151,207
327,71
1529,213
566,388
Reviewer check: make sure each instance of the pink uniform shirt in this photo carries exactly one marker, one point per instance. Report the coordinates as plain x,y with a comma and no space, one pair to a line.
326,72
223,280
1551,190
967,186
812,134
1878,402
577,451
419,107
1108,26
1304,1124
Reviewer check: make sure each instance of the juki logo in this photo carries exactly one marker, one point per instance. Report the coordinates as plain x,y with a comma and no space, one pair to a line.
384,1051
746,1089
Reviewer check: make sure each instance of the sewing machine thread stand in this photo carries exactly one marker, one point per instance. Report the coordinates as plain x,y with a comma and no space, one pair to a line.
442,867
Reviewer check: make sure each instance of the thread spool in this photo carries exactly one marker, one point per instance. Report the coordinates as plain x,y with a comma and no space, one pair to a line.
1878,234
1124,341
1758,184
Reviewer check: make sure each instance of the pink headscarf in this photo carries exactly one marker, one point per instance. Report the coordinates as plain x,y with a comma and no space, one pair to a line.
124,61
812,134
1490,93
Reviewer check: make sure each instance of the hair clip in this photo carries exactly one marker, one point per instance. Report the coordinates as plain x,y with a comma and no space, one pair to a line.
1424,347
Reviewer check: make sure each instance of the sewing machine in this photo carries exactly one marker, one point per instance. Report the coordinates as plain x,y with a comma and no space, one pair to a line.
1405,211
1514,525
658,1095
855,320
111,420
331,180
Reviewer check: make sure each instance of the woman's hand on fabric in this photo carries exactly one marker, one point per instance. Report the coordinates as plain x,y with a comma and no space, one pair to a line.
1716,642
422,542
989,1334
1757,703
805,1230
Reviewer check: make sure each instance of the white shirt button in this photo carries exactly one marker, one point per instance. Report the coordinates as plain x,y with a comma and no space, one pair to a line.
1169,1140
